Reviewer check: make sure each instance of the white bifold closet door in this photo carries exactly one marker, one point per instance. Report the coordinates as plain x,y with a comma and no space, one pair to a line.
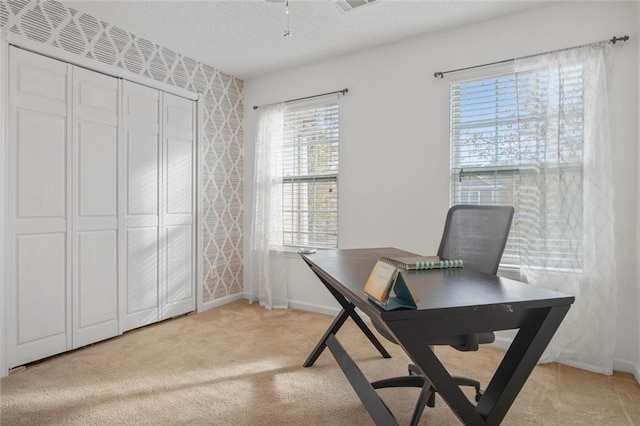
95,207
62,254
158,156
38,318
176,221
100,216
141,165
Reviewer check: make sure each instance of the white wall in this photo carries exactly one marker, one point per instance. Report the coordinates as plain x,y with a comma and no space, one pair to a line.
394,141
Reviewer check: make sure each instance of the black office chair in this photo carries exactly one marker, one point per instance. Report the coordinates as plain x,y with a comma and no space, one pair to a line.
477,235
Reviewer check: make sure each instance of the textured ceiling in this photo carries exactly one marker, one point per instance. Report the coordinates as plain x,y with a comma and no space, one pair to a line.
244,38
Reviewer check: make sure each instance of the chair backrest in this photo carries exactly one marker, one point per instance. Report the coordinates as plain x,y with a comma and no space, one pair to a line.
477,235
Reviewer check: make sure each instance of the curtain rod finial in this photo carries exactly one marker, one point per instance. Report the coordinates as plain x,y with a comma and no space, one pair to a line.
255,107
616,39
438,74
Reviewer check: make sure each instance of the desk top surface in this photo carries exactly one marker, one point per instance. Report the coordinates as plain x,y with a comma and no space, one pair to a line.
439,290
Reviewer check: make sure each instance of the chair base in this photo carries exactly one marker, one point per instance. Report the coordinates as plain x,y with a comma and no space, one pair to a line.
427,396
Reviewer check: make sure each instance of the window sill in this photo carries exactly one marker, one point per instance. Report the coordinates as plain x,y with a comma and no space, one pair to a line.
290,251
513,272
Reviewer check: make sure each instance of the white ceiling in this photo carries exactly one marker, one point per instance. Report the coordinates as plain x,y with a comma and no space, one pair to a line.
244,38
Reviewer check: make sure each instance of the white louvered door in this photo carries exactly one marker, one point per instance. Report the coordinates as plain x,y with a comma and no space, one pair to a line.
38,317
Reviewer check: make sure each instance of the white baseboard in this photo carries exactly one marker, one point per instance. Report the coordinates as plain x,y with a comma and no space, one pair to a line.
627,367
322,309
622,365
219,302
502,342
318,309
312,307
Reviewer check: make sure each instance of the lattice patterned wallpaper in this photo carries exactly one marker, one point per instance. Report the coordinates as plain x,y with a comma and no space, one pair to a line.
55,24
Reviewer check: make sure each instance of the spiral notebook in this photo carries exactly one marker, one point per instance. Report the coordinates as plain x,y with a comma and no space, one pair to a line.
414,262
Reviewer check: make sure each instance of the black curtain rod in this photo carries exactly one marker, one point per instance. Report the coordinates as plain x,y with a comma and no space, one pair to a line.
343,91
614,40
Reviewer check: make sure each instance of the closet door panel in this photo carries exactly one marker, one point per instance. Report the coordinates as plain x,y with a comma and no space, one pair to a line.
143,104
141,186
37,261
177,294
42,77
42,293
96,95
98,295
179,176
179,271
142,250
95,248
98,144
142,173
41,165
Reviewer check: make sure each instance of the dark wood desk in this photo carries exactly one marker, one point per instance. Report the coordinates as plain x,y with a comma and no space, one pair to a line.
453,302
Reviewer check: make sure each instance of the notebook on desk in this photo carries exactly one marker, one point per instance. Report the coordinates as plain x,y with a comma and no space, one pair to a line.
415,262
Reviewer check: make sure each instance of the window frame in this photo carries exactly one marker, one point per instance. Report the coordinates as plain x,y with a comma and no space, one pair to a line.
459,172
324,109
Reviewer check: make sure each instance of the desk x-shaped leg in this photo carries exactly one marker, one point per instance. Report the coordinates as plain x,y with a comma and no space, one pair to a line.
536,329
348,310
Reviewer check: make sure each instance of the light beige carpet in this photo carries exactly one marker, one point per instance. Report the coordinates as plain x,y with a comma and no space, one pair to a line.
242,365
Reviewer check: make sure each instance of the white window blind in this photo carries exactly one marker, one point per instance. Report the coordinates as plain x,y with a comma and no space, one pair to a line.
516,142
310,173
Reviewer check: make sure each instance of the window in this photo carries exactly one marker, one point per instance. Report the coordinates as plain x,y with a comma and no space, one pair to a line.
517,139
310,174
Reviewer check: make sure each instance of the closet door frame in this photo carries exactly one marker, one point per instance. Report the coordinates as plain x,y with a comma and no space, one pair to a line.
7,39
4,140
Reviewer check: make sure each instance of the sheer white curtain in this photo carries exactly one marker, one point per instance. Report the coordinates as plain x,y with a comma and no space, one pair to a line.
265,273
567,125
